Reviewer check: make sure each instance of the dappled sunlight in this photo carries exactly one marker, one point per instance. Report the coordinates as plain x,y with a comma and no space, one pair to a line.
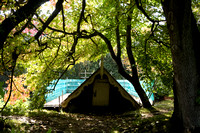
45,40
142,120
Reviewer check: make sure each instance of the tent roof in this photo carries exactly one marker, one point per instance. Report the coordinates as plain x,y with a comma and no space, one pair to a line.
90,80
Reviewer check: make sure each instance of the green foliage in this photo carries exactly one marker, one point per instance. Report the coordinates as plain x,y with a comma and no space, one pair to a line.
37,100
19,108
49,131
14,126
150,45
196,11
1,89
78,70
45,59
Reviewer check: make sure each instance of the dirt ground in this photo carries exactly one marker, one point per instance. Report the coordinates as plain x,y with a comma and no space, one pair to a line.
45,121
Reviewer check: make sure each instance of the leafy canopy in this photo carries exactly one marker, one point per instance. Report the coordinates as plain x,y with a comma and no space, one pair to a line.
53,39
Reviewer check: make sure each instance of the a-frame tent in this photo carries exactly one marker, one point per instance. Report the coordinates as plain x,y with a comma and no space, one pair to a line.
100,92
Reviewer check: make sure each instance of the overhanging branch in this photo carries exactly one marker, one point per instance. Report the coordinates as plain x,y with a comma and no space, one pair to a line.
52,16
76,37
18,16
145,13
54,29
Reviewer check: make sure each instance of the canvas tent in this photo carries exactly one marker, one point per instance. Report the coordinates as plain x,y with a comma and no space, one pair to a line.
99,92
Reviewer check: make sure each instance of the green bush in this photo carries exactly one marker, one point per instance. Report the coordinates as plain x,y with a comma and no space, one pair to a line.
19,108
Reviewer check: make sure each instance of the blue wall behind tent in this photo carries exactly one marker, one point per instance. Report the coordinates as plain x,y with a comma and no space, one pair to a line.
69,85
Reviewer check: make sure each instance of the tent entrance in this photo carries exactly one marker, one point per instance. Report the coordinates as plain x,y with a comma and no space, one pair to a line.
101,93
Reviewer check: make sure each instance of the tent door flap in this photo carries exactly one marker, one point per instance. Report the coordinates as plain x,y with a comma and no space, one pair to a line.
100,93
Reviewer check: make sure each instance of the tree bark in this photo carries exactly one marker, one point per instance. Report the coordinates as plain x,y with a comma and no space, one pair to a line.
185,47
18,16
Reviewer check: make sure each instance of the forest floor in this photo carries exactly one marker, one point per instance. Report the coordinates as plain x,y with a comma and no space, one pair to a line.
45,121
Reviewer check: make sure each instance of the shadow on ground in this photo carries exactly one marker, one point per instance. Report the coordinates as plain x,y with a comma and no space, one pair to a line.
154,120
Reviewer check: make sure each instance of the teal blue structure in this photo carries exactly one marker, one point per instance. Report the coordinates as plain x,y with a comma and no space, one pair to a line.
69,85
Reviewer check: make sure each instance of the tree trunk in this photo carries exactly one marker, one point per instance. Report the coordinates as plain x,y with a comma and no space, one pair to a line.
133,79
143,96
185,47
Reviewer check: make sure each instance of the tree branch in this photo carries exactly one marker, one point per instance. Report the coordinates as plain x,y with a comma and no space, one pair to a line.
152,35
64,72
53,29
14,57
81,16
129,43
119,63
18,16
76,37
24,26
145,13
63,18
52,16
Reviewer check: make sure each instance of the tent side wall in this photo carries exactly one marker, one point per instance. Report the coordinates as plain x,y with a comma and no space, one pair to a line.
82,102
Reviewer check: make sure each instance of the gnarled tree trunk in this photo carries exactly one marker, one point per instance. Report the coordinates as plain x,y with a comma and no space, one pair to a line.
185,48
